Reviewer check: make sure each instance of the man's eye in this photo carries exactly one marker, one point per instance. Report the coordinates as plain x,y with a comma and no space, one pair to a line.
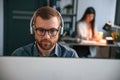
41,30
52,30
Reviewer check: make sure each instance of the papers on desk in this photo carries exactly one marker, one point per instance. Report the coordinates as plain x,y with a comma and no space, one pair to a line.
103,41
88,42
78,41
94,43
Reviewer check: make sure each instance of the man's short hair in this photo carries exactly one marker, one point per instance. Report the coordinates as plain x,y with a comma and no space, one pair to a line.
46,13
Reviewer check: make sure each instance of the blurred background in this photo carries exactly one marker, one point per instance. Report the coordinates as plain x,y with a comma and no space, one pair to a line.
15,18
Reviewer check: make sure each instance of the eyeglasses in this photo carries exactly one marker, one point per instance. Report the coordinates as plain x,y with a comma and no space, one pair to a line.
52,32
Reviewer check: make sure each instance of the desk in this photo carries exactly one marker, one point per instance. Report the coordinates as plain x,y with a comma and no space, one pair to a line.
74,42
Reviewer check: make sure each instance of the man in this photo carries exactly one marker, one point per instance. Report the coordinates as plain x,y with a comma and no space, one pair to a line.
46,28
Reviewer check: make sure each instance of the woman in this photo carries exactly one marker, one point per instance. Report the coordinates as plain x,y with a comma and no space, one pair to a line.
86,31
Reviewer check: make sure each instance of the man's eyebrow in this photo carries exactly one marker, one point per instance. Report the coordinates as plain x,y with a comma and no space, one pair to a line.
46,29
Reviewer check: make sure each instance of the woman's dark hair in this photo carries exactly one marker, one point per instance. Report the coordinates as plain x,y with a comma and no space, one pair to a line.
90,10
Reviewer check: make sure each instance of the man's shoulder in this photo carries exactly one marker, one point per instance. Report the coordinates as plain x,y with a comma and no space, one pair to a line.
67,50
22,50
65,47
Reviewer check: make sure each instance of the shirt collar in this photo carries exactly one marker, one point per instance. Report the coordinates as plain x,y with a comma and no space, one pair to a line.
55,52
35,50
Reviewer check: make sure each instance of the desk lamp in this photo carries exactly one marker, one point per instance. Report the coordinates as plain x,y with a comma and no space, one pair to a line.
108,27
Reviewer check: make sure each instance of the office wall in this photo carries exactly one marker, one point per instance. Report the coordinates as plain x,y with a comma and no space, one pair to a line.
1,27
105,10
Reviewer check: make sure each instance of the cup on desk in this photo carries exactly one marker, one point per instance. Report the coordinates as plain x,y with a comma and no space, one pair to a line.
99,36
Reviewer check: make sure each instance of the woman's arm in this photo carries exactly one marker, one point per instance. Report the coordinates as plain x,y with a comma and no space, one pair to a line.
81,30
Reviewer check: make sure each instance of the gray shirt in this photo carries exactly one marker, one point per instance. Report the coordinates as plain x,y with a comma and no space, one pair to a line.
58,51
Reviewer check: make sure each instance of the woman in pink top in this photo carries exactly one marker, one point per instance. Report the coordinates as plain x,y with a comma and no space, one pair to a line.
86,31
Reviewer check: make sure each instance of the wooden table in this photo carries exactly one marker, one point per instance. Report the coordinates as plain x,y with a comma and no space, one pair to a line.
75,41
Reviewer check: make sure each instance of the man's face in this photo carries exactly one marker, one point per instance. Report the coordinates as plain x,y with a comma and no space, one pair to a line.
46,41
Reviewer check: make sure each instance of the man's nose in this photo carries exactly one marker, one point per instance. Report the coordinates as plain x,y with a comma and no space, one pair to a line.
46,35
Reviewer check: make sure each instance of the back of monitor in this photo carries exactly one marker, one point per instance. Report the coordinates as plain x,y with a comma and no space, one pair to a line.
36,68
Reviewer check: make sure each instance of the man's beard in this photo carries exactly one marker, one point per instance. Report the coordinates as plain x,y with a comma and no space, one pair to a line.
45,44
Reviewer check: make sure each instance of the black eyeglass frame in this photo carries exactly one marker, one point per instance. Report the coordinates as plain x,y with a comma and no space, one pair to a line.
51,32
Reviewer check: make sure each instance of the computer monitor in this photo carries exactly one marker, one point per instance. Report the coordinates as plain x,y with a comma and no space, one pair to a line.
37,68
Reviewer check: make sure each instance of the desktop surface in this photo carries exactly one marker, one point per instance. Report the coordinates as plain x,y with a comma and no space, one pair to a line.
37,68
77,41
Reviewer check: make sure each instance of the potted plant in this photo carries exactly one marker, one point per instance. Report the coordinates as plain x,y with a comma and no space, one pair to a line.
118,37
69,8
115,36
